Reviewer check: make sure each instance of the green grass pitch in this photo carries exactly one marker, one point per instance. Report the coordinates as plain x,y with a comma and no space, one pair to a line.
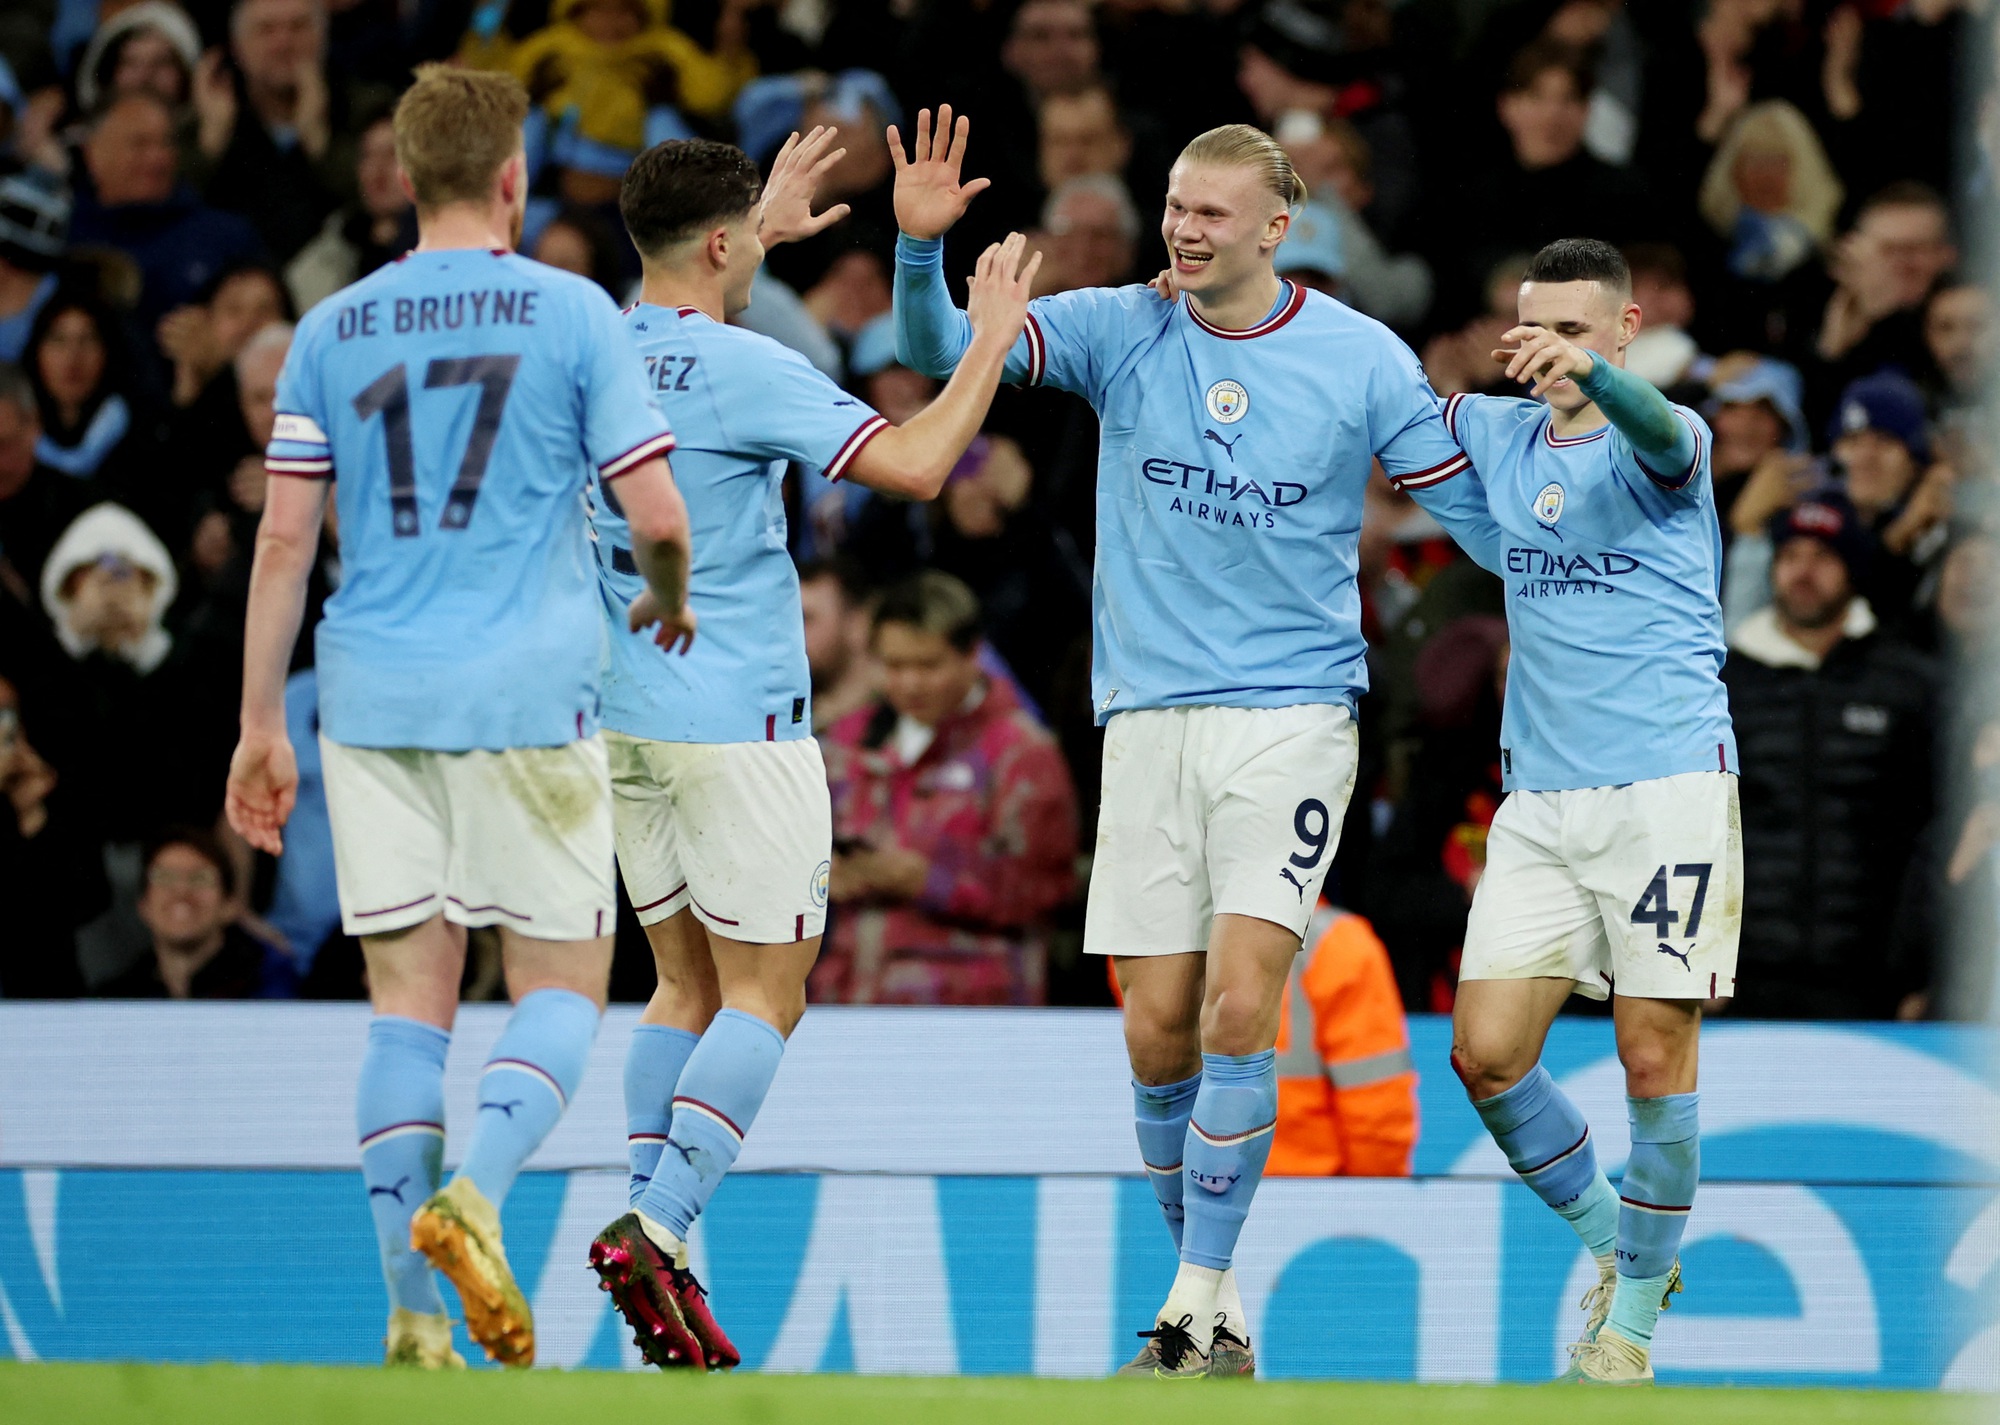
300,1395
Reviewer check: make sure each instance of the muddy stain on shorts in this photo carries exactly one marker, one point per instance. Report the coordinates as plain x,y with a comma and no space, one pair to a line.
558,786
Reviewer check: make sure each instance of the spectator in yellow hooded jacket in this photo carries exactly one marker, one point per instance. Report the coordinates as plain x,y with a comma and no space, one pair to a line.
610,61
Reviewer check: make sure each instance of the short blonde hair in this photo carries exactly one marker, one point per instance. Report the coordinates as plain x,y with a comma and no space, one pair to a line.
454,130
1241,146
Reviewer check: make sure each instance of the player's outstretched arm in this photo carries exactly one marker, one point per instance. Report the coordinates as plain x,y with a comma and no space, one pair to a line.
1664,441
912,460
263,773
660,547
931,332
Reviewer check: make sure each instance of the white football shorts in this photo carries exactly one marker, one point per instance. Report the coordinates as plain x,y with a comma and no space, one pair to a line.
1638,887
741,831
1213,811
520,838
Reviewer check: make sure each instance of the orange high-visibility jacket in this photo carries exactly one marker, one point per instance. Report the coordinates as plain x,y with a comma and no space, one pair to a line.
1347,1087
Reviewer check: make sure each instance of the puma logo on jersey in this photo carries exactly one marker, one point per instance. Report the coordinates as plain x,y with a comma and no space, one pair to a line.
1228,445
395,1191
1680,955
1286,872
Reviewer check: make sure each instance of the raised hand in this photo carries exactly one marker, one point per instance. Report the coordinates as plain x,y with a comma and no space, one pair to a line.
787,215
263,785
1541,358
929,197
997,297
675,632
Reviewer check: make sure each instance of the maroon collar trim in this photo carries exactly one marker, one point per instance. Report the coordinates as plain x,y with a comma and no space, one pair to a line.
1295,298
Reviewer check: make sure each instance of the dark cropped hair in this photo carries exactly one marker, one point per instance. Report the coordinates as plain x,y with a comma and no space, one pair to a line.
844,570
1537,57
675,189
1580,260
200,840
936,603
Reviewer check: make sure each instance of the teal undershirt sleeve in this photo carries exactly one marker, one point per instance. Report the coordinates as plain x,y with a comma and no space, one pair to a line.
1664,441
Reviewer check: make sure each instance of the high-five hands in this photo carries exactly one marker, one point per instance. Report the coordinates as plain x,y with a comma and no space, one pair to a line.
997,297
675,631
1541,357
787,214
929,197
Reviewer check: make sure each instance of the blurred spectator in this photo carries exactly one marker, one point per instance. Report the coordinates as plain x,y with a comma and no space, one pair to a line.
1090,235
859,103
1462,360
34,223
1959,341
1311,252
1347,1086
1335,163
36,503
578,240
138,205
207,430
1547,186
954,823
1770,194
151,47
1663,352
375,227
1881,455
50,880
845,675
1052,49
1834,726
608,62
196,953
1080,135
92,423
1881,272
279,131
106,586
1755,417
853,292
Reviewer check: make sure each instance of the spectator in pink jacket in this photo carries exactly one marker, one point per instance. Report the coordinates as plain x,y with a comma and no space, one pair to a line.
954,821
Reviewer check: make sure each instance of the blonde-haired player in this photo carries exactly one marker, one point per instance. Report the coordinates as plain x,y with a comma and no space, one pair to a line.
460,398
1239,429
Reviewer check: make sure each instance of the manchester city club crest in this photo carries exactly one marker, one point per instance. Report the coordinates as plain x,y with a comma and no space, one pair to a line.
820,877
1228,402
1549,504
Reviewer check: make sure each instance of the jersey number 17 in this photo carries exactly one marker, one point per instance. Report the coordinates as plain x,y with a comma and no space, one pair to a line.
388,395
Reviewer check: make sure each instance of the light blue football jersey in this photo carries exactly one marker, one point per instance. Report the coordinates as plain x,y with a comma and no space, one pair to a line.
1613,577
461,400
741,406
1230,476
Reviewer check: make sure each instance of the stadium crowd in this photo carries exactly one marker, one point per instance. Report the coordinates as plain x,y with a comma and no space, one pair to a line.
178,182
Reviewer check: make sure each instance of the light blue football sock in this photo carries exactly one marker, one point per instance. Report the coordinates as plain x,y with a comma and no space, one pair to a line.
1548,1143
535,1068
721,1089
1228,1139
1160,1113
1658,1191
653,1063
399,1113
